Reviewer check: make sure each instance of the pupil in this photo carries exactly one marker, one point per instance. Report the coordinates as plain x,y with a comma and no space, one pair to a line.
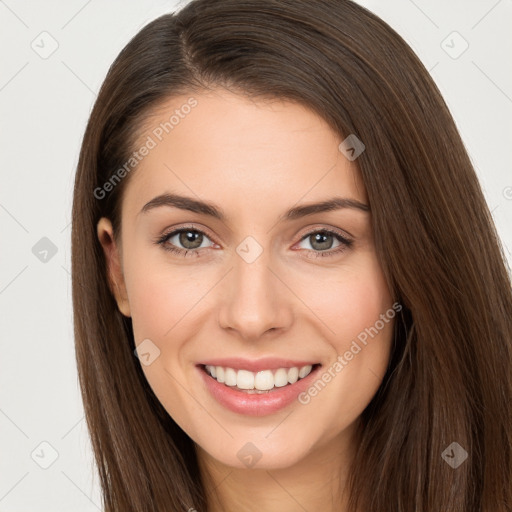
321,239
192,237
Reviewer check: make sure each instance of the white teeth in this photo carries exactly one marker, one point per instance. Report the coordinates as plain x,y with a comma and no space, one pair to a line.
263,381
304,371
211,370
281,378
245,379
293,375
230,377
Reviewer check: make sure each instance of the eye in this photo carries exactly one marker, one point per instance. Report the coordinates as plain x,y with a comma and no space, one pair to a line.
322,241
190,239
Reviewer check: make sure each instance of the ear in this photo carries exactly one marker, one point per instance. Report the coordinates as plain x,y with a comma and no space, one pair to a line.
114,268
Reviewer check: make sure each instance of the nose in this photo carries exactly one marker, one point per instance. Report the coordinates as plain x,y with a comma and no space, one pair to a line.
254,299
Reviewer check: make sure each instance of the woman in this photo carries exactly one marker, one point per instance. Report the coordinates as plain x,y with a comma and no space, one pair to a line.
288,290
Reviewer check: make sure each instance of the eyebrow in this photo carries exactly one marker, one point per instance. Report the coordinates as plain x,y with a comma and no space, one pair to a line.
212,210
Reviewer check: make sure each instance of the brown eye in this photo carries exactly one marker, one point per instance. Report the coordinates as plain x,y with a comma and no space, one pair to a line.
190,239
322,241
183,241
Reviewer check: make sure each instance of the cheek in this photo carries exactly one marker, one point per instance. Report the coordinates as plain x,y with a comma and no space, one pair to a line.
151,304
162,310
356,313
160,297
350,302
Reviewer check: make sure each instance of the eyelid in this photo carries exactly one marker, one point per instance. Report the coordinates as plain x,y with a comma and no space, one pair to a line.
331,229
191,227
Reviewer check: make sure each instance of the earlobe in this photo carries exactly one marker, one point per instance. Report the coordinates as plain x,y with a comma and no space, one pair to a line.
116,282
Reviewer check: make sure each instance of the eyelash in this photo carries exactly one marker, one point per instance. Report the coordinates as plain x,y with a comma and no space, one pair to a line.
345,243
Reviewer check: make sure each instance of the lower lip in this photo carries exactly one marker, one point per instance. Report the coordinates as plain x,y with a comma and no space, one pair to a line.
256,404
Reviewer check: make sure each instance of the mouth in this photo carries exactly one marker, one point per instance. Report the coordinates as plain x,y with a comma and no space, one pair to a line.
265,391
261,382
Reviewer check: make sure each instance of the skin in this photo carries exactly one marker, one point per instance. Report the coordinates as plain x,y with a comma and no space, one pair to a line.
266,156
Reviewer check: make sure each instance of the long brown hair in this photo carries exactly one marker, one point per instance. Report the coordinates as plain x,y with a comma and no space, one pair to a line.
449,378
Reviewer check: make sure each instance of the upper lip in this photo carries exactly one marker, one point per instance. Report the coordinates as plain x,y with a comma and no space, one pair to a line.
256,365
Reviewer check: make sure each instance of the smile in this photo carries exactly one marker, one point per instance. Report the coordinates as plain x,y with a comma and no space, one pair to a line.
258,382
241,393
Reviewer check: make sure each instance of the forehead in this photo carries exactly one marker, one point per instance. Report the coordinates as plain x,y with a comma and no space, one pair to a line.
240,152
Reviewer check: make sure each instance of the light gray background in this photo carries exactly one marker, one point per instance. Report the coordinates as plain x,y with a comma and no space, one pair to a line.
44,105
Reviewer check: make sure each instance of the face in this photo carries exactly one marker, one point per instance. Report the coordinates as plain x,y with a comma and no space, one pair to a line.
243,285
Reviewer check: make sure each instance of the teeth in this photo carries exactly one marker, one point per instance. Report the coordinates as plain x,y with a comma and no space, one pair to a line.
304,371
260,381
280,378
264,380
245,379
230,377
293,375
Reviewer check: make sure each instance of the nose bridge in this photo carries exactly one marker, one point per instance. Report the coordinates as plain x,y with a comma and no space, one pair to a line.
253,301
